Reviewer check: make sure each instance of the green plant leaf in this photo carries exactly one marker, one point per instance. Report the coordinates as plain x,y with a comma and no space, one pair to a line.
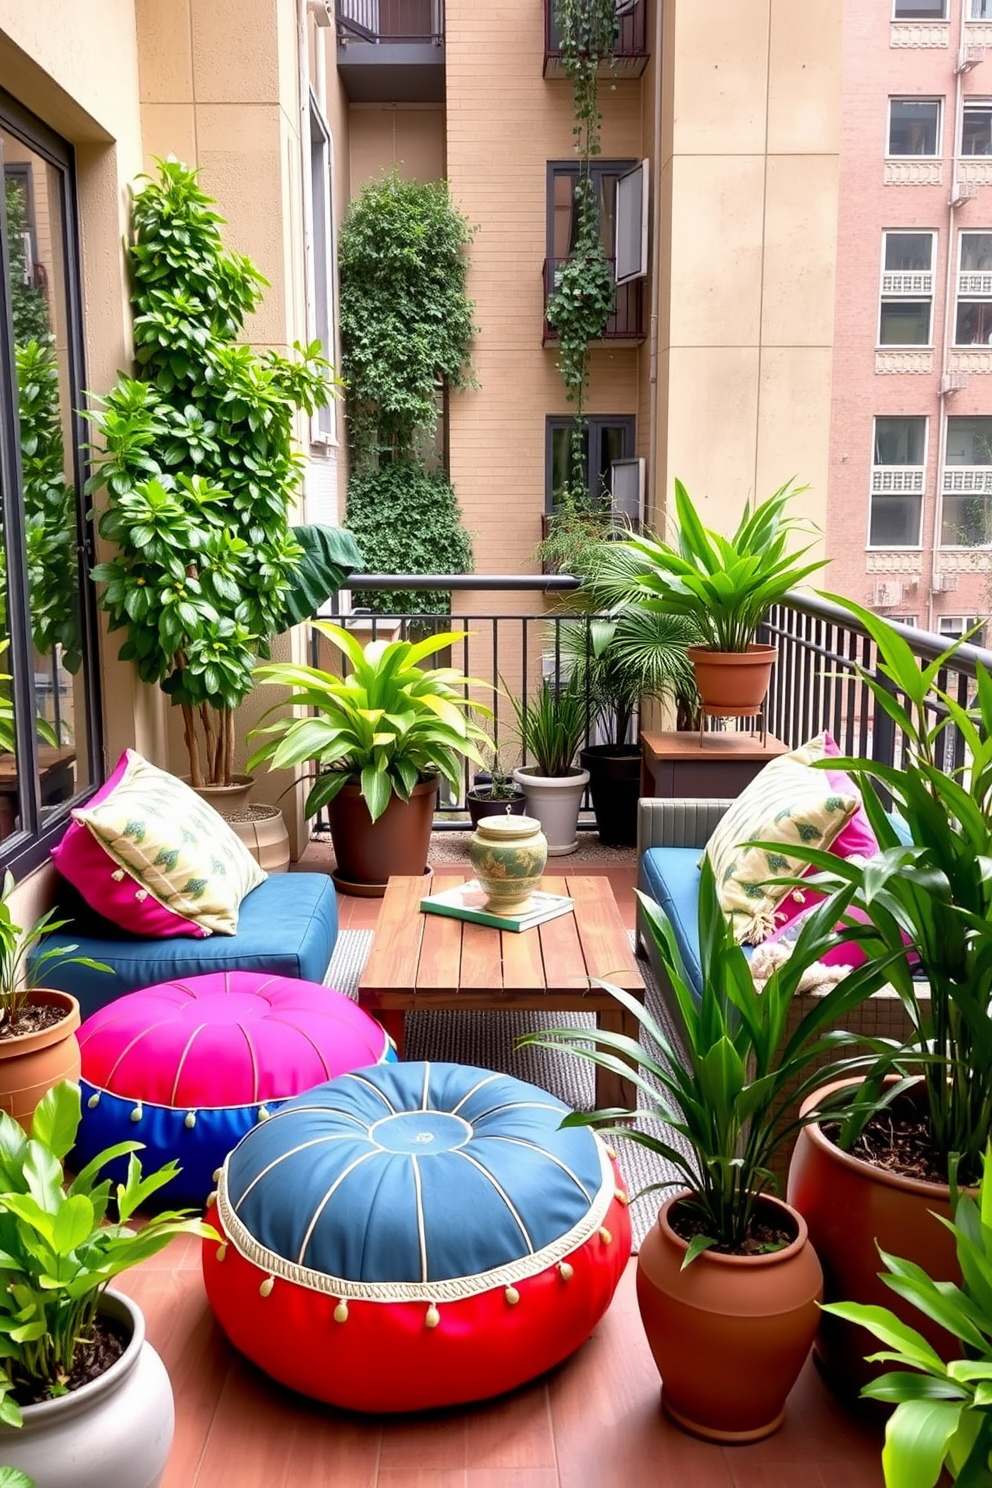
917,1438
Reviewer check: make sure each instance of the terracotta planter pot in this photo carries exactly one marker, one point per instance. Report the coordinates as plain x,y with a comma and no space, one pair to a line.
729,1334
368,852
31,1063
732,684
848,1205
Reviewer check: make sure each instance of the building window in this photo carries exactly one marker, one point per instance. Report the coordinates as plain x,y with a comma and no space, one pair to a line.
626,322
976,128
898,477
907,289
50,745
973,318
979,10
320,257
912,621
605,438
914,126
920,10
956,627
966,517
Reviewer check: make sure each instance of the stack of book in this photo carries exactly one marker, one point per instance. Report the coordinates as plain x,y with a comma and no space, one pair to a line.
467,901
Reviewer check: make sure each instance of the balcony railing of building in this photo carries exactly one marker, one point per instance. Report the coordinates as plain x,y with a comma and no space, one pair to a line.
816,683
627,321
390,22
630,53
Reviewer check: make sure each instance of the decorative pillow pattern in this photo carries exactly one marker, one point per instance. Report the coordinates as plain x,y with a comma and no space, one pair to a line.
178,849
787,803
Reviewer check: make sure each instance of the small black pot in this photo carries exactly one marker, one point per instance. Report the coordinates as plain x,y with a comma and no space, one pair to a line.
480,803
615,786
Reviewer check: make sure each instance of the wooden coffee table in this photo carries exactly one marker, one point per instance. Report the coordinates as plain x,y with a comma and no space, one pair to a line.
423,961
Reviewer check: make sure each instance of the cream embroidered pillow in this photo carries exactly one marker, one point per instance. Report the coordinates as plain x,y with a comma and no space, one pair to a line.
788,803
179,849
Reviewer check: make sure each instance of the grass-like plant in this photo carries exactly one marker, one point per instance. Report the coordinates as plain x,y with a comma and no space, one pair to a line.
726,585
388,723
553,723
58,1252
22,964
730,1092
943,1414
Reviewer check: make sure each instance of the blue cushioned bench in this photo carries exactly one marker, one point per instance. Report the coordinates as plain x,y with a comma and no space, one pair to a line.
287,926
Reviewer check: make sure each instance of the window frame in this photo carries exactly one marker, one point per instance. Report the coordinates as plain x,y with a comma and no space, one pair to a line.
943,494
600,166
938,147
596,423
916,547
896,297
30,845
971,105
320,286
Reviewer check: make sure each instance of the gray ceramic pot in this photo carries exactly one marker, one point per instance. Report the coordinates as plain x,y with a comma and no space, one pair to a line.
114,1432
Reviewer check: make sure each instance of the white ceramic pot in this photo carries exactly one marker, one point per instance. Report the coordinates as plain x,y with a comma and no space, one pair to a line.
114,1432
555,801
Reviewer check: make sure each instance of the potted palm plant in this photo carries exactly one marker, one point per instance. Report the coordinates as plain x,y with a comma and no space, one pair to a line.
383,737
726,586
83,1395
876,1174
727,1282
551,726
38,1045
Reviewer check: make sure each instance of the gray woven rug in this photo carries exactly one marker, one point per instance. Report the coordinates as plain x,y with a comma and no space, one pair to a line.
489,1041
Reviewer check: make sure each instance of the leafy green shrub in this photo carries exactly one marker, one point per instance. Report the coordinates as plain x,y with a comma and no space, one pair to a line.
406,520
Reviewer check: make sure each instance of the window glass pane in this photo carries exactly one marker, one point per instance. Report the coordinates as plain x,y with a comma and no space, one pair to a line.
980,10
976,129
973,326
563,212
969,441
39,310
895,521
562,455
908,250
976,252
920,10
904,323
321,254
899,441
913,126
966,522
612,446
606,187
10,804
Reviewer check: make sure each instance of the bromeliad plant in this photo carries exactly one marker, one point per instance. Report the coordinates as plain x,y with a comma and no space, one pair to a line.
725,586
58,1252
943,1414
935,894
22,964
731,1093
389,723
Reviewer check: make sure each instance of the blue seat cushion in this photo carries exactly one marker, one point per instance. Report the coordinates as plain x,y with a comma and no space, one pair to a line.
287,927
670,876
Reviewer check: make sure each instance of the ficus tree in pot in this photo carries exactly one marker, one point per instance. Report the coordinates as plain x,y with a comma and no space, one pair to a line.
198,468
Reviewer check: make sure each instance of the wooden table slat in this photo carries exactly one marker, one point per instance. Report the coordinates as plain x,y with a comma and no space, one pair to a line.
482,960
601,932
396,943
561,949
441,945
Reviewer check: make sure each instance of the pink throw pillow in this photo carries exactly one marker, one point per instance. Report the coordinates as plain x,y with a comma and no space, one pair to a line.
856,840
110,889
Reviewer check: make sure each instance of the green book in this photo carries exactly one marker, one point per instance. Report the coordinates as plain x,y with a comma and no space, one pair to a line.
465,903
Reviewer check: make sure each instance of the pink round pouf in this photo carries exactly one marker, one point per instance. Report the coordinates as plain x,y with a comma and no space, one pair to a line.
188,1067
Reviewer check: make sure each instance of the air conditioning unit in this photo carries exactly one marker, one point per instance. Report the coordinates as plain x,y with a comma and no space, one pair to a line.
969,56
887,594
961,192
944,583
952,382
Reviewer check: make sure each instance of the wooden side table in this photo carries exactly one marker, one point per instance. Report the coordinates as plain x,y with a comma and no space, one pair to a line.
703,765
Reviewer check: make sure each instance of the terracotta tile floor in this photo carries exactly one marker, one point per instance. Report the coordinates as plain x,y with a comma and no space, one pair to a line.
594,1422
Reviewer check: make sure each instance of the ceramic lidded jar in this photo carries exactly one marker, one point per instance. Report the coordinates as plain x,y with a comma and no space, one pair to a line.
508,854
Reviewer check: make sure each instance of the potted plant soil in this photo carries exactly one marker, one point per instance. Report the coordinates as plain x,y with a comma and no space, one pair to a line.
875,1173
494,794
727,1282
726,586
382,737
83,1396
551,726
38,1045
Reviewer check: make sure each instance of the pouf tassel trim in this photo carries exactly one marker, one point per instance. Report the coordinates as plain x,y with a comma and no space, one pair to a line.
341,1312
432,1317
565,1271
189,1120
452,1290
94,1100
512,1296
138,1112
265,1290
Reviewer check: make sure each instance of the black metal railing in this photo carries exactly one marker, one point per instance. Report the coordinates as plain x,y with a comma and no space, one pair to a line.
627,320
816,682
381,22
630,52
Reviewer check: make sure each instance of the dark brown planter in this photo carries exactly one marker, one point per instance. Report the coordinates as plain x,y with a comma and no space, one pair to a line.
848,1205
729,1334
369,852
481,804
732,684
31,1063
615,787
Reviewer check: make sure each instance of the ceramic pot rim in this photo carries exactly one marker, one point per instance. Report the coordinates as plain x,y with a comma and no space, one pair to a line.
715,1258
900,1181
576,776
41,1038
124,1310
755,655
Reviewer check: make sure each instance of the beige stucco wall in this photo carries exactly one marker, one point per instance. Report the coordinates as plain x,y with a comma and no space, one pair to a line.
751,136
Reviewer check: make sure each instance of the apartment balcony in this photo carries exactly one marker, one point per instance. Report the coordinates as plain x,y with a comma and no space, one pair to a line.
625,326
391,51
630,52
